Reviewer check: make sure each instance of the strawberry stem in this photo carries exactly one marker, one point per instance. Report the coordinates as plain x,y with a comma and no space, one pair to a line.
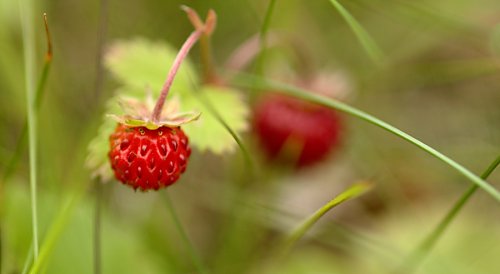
207,62
190,41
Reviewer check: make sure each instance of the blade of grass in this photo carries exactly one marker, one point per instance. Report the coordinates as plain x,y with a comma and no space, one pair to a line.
267,21
180,229
213,111
26,15
99,78
263,36
236,137
254,82
369,45
97,226
425,247
40,90
1,250
57,228
352,192
28,260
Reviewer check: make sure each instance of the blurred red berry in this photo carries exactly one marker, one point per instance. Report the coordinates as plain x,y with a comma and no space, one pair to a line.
148,159
283,124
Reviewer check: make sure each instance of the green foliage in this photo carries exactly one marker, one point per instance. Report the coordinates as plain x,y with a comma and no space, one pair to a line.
70,253
208,134
140,65
97,160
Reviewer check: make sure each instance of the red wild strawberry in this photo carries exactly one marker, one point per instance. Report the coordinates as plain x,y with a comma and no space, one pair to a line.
149,153
283,124
148,159
148,149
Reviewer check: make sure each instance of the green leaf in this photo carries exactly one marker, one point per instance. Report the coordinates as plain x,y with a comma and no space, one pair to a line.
141,64
97,158
208,134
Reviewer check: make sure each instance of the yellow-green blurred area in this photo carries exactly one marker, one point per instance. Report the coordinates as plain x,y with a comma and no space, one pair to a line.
438,79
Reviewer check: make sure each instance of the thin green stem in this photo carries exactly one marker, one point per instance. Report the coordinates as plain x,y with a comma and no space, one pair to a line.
1,249
255,82
56,229
267,21
101,41
40,91
350,193
28,260
213,111
26,9
369,45
99,78
236,137
182,232
263,36
207,61
97,226
425,247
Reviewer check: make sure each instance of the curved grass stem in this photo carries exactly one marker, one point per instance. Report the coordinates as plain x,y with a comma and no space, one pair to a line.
425,247
254,82
352,192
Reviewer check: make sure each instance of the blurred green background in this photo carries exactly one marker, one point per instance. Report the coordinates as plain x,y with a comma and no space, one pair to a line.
439,81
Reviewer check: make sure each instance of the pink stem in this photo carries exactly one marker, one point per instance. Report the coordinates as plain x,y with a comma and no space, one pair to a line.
191,40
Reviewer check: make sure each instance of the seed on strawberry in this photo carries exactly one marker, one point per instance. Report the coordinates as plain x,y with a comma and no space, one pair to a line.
148,159
283,124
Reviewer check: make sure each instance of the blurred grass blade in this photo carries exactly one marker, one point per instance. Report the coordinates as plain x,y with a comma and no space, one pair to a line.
218,117
98,84
417,256
267,21
28,261
98,200
263,37
364,38
40,90
192,253
254,82
233,133
56,229
352,192
1,249
28,35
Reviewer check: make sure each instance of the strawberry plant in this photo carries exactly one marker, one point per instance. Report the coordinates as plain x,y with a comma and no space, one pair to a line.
146,147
